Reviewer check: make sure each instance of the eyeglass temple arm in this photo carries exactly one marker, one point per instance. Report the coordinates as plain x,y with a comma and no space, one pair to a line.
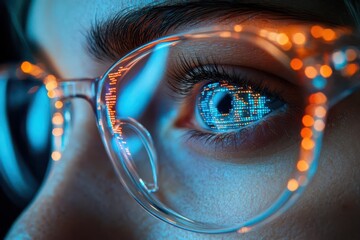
76,88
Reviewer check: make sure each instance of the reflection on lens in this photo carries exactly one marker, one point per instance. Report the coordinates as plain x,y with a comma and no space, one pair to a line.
242,114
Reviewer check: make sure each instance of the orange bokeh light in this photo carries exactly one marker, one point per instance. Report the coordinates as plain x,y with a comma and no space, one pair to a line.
56,155
58,119
51,94
317,98
282,39
296,64
57,132
299,38
58,104
244,230
51,85
302,166
225,34
308,121
307,144
317,31
306,133
311,72
328,34
26,67
350,69
326,71
238,28
293,185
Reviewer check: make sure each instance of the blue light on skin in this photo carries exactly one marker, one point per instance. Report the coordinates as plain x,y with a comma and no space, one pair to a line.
135,97
10,168
319,82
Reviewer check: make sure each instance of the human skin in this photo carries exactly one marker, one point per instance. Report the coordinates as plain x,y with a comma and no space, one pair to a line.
82,197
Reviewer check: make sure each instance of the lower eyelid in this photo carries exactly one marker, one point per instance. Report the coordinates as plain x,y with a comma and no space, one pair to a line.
271,135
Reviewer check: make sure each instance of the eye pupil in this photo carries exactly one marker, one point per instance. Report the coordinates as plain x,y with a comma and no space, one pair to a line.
223,102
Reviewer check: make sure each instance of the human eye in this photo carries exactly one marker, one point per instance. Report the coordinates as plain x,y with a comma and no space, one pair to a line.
232,108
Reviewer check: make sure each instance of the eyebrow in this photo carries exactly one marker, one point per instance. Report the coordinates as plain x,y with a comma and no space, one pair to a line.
128,29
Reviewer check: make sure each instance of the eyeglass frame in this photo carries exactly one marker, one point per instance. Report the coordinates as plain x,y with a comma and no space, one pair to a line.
61,90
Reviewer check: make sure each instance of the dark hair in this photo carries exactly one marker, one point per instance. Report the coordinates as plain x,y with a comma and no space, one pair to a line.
13,18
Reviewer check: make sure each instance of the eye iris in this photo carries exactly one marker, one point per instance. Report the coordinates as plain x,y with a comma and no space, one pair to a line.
222,106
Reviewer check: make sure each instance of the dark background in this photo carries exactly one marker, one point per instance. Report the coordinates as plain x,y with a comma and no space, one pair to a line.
11,51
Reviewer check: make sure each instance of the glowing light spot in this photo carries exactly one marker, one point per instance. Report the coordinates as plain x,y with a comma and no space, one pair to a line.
296,64
51,94
306,133
282,39
244,230
287,46
57,132
319,82
56,155
302,166
329,34
316,31
299,38
308,121
58,104
319,125
317,98
26,67
58,119
51,85
49,78
326,71
311,72
238,28
263,33
293,185
272,36
350,69
351,54
320,112
307,144
339,59
225,34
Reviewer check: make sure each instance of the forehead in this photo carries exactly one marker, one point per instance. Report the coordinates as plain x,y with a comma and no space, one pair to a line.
59,27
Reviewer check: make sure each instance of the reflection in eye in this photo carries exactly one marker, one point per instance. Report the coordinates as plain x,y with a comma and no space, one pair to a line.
231,108
223,106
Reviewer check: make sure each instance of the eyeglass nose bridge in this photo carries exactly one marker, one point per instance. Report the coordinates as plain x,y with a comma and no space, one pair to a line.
76,88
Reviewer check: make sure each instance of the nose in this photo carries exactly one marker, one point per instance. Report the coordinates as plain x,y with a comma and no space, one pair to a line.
81,197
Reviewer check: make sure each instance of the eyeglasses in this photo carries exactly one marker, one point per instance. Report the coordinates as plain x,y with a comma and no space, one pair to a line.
204,128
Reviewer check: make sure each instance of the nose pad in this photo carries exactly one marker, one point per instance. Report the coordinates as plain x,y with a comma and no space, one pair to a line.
138,152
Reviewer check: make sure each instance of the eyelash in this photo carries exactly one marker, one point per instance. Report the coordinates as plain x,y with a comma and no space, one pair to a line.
190,72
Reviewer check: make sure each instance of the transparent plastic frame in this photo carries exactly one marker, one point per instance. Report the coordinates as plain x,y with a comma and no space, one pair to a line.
308,51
